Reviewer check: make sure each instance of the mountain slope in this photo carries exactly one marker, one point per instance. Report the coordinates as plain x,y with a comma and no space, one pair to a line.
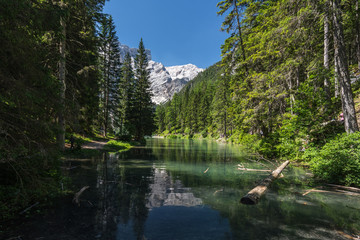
165,81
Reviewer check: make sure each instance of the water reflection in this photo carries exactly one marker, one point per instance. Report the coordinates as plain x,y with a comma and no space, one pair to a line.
165,191
141,199
186,189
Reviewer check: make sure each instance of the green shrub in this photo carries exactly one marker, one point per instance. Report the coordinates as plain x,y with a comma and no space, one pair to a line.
172,136
187,131
250,141
204,134
338,161
116,146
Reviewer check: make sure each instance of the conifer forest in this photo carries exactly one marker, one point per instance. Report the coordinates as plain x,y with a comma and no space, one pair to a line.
60,75
287,88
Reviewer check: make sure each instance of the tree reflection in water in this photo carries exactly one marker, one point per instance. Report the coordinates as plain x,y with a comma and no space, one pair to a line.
163,191
122,195
185,189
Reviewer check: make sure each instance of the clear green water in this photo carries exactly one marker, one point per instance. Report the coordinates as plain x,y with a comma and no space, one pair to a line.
190,189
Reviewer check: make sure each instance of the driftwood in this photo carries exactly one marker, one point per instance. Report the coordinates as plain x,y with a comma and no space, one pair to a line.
255,194
27,209
76,198
316,190
335,191
253,170
347,235
220,190
350,189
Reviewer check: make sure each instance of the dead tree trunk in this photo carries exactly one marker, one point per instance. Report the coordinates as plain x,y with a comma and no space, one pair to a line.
253,197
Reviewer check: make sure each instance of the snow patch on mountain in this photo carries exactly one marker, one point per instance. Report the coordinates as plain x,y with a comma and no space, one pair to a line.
165,81
188,71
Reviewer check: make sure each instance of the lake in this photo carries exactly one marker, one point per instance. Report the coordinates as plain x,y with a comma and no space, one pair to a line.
191,189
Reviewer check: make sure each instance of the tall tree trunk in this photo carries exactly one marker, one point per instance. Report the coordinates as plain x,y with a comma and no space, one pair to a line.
107,95
336,73
240,34
62,78
343,70
357,34
326,56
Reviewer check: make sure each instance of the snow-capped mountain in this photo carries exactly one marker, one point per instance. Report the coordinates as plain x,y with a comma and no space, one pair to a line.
165,81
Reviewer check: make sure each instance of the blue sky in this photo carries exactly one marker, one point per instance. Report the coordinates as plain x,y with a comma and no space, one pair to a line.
177,32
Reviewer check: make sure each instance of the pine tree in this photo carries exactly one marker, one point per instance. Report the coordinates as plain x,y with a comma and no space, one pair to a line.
144,121
110,77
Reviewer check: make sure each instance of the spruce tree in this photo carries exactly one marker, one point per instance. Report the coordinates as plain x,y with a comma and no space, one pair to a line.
110,74
144,120
82,75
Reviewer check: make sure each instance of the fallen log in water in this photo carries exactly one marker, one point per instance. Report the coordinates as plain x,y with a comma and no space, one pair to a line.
254,195
76,198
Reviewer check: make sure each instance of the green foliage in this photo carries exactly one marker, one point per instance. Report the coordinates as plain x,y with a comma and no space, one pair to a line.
291,139
173,136
338,161
117,146
250,142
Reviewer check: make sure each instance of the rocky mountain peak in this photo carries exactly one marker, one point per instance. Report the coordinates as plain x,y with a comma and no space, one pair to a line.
132,51
165,81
